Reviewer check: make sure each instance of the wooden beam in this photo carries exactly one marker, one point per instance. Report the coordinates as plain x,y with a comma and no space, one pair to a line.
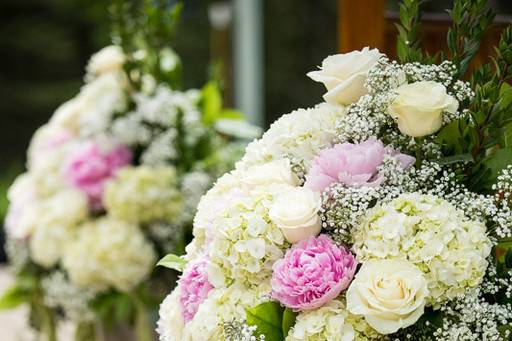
360,23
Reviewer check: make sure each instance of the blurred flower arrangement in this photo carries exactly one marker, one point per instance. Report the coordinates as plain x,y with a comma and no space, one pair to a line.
113,181
383,213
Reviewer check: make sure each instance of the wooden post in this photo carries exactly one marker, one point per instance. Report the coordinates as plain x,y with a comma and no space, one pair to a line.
360,23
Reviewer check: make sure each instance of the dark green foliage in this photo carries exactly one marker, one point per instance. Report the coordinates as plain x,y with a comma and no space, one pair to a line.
486,132
407,45
471,19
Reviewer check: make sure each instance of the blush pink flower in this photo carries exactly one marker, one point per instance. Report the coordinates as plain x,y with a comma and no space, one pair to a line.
312,273
351,164
195,287
89,168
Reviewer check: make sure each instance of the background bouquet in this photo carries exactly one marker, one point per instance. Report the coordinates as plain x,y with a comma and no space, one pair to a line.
382,213
113,180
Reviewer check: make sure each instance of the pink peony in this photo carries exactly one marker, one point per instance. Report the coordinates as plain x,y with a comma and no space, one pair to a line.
194,288
312,273
89,168
351,164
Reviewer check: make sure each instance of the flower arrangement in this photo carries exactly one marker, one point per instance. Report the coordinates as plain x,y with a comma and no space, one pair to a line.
112,183
383,213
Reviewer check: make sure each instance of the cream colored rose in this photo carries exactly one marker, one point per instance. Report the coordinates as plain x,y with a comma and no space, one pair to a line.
344,75
390,294
295,212
108,59
418,107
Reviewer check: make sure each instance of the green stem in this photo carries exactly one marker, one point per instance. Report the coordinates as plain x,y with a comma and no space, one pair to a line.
85,331
143,327
418,151
48,324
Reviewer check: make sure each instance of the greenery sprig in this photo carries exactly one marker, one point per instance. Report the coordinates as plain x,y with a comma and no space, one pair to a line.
471,19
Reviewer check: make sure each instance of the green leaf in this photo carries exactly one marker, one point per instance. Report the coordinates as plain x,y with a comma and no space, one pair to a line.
467,157
268,319
231,114
211,101
493,165
21,292
172,261
289,317
505,95
14,297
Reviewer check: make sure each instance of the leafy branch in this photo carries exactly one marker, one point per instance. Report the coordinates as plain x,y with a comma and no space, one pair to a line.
485,133
408,45
471,19
144,30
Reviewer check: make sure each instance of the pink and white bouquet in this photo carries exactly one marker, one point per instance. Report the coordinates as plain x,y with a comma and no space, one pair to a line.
383,213
112,184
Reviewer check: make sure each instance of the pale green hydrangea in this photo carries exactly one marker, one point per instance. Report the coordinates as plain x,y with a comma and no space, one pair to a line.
144,194
223,306
428,231
52,222
330,322
108,252
245,243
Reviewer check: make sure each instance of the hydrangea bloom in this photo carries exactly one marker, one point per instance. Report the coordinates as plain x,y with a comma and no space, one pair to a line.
329,322
157,198
52,223
223,306
432,234
89,167
312,273
301,135
108,252
170,324
194,288
351,164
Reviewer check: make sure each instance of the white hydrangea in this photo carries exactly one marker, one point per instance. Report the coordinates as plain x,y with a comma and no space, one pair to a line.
326,323
223,306
51,223
299,135
109,253
233,220
170,325
428,231
92,110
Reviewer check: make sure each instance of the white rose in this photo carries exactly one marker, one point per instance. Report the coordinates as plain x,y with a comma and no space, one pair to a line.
390,294
295,212
344,75
418,107
108,59
277,172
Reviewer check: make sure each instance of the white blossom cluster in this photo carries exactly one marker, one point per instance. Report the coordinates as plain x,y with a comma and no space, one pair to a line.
59,292
156,121
240,331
